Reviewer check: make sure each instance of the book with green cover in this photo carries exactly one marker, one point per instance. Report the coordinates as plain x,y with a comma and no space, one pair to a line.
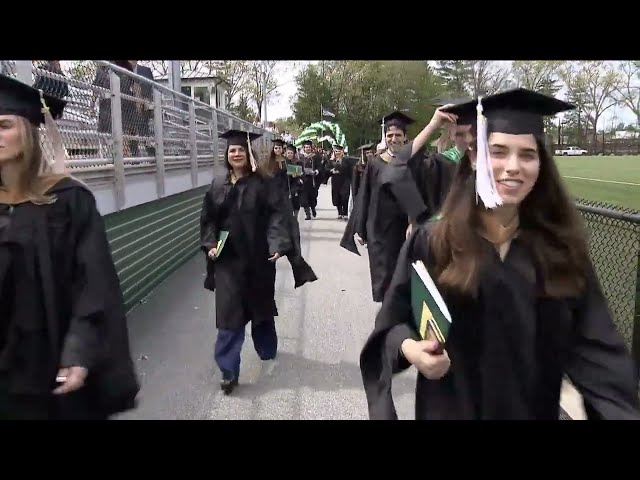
222,239
294,170
430,313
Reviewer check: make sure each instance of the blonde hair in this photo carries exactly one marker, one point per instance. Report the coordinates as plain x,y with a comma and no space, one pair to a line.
35,166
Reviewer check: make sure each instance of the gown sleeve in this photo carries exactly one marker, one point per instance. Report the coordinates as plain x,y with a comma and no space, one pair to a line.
380,358
95,282
357,221
208,227
599,364
419,182
278,225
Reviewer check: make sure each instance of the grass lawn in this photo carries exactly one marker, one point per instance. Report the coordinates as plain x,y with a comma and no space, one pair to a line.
614,180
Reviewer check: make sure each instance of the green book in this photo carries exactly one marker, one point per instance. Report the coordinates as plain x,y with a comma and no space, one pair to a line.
294,170
430,313
222,239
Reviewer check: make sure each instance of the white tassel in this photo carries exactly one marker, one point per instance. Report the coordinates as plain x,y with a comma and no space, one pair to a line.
383,141
254,165
53,135
485,183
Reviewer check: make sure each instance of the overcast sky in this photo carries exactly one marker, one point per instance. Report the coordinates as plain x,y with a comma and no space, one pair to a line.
280,107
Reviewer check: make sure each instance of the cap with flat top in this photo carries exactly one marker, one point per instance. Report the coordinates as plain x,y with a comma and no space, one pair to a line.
239,137
242,138
18,98
518,111
397,119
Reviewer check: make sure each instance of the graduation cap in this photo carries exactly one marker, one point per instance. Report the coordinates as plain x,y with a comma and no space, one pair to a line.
243,139
517,112
307,142
397,119
291,146
394,119
277,141
338,147
18,98
464,118
364,148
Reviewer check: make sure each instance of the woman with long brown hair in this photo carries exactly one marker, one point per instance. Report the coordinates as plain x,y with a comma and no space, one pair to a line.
64,350
276,168
243,231
514,271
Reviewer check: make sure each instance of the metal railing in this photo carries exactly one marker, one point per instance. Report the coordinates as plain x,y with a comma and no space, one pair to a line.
117,124
614,244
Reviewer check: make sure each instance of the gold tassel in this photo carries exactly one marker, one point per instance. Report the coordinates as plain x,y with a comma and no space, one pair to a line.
254,165
53,134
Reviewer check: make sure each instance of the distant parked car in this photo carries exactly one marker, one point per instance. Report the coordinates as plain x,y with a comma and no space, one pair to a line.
571,151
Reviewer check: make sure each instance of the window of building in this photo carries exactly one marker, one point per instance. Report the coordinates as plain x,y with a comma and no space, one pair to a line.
202,94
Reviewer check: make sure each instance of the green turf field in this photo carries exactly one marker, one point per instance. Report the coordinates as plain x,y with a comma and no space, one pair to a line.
613,243
609,179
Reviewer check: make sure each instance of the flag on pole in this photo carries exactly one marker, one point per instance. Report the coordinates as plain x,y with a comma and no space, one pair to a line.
327,113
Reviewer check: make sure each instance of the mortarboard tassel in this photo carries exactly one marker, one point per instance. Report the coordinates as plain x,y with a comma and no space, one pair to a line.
485,183
53,134
383,142
254,165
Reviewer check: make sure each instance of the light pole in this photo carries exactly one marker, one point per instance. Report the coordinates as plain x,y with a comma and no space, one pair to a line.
264,91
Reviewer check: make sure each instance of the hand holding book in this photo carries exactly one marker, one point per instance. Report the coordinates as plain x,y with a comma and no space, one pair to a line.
425,357
217,250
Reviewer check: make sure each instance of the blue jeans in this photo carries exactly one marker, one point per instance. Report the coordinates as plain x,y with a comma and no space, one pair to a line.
229,345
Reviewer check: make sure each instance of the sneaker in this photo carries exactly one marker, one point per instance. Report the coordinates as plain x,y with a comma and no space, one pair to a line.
268,366
228,385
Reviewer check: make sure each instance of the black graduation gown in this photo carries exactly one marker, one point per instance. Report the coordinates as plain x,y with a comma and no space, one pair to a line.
302,271
311,182
381,222
62,306
356,177
509,348
419,182
341,181
295,187
242,277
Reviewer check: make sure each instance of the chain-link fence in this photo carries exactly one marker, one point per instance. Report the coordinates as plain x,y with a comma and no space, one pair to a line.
117,123
614,243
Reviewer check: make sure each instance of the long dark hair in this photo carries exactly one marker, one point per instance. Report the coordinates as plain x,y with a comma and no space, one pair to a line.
270,166
550,227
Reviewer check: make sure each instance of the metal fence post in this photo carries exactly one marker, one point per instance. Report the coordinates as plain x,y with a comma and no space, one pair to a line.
635,343
159,139
214,138
118,141
194,143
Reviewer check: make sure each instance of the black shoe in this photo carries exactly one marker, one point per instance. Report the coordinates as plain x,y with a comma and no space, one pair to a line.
227,386
313,212
308,217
